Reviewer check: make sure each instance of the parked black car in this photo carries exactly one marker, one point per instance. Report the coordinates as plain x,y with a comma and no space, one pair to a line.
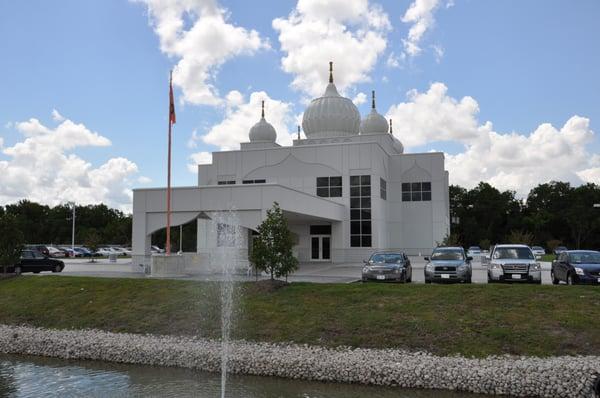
387,267
34,261
576,266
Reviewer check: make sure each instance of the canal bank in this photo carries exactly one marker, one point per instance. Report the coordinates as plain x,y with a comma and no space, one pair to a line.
565,376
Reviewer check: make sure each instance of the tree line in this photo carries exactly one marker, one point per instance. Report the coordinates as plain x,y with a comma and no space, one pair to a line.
43,224
552,214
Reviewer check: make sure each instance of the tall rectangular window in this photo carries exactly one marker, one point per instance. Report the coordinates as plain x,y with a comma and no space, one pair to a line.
360,211
383,188
416,191
329,187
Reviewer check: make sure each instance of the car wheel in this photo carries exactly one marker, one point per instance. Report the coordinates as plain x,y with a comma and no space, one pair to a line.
36,272
427,281
570,280
554,279
18,270
468,280
57,268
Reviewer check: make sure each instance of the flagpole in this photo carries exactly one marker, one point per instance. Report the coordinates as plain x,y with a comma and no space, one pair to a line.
168,244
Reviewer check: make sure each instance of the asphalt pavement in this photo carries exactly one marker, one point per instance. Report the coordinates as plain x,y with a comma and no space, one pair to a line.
309,272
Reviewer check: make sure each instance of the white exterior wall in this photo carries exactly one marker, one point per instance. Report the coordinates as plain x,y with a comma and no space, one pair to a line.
411,226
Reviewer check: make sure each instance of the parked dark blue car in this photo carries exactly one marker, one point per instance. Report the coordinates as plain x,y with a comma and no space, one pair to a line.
576,266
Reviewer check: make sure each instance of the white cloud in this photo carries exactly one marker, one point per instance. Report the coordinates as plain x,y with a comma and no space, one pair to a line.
393,60
513,161
56,116
198,158
241,115
360,99
144,180
351,33
438,52
198,34
590,175
420,15
434,116
43,168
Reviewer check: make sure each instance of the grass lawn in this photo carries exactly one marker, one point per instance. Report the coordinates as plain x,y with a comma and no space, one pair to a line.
475,320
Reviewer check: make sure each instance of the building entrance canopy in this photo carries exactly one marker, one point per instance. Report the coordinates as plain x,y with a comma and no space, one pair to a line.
250,201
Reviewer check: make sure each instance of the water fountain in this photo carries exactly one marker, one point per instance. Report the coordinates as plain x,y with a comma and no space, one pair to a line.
226,257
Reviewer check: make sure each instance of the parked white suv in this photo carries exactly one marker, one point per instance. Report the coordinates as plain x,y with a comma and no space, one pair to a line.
515,263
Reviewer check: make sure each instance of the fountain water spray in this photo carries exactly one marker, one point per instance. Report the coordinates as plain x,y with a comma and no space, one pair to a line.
226,258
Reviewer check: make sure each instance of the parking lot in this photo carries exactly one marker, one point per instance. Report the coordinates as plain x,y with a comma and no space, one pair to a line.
309,272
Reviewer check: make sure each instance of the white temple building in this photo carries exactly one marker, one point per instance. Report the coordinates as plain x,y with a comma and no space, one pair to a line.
347,189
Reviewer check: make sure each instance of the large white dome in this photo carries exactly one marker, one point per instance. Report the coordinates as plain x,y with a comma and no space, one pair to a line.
331,115
263,131
374,123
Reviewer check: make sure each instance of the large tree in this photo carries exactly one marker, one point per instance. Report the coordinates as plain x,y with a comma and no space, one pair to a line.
272,248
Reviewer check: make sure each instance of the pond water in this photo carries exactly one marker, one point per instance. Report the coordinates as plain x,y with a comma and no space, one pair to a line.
26,376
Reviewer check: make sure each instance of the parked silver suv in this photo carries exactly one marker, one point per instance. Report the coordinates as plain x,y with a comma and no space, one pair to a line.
448,264
515,263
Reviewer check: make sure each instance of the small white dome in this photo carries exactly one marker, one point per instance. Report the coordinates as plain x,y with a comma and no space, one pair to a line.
396,143
374,123
331,115
263,131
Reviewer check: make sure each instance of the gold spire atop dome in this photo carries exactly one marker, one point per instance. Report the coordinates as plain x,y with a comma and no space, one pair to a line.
330,72
373,99
263,109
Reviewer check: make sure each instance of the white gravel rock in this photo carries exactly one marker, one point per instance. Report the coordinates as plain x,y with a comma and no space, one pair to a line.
567,376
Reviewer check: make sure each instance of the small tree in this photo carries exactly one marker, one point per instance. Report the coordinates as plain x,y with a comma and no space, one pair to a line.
272,250
11,242
92,240
523,237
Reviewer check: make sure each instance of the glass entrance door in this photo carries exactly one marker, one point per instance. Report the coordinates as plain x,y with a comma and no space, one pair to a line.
320,248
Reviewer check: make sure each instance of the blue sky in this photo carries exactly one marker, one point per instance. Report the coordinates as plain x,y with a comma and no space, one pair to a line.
101,65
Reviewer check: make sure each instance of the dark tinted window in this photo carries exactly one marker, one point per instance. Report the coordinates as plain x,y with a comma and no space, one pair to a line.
329,187
416,191
360,204
320,229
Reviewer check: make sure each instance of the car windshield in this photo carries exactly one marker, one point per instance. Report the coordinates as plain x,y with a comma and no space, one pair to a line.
585,258
474,248
561,248
513,253
537,248
447,255
388,258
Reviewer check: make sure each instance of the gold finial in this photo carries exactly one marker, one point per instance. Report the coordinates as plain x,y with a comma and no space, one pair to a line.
391,131
298,131
263,109
373,99
330,72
